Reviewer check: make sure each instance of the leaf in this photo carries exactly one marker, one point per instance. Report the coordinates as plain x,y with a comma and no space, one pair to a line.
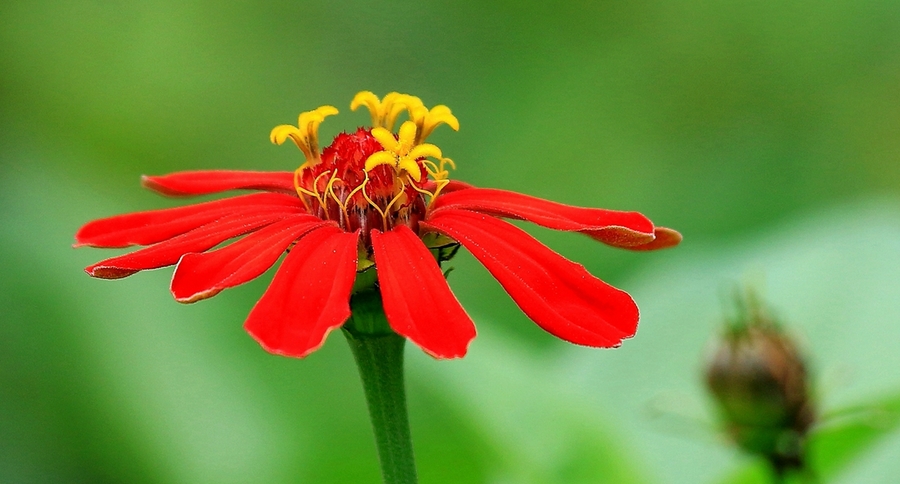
835,446
844,436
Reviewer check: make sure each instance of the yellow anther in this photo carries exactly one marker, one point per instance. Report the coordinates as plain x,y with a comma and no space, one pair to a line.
329,189
306,134
438,172
447,161
401,153
371,202
426,120
400,194
384,111
440,184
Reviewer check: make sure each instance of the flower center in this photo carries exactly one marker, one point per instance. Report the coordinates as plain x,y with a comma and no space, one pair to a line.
371,179
341,188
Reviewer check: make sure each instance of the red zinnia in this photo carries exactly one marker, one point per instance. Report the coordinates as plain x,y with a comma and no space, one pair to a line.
373,201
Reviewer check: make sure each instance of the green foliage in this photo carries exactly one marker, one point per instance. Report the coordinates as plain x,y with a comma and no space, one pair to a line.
742,124
853,432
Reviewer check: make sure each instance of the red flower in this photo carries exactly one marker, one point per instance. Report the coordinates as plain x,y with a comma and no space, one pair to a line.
373,201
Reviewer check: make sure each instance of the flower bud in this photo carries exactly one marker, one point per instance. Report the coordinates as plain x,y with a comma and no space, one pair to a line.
759,381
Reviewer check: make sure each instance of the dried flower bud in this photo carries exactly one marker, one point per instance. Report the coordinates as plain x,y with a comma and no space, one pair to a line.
759,381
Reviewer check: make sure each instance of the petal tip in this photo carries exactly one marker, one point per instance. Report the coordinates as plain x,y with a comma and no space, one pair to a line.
663,238
458,353
108,272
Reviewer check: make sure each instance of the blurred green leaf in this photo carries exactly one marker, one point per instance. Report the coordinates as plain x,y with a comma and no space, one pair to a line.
843,436
850,432
542,429
733,122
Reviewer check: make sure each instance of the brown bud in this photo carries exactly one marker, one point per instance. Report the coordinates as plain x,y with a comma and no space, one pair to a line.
759,382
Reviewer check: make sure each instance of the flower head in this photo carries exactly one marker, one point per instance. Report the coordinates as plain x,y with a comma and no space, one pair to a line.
374,209
760,381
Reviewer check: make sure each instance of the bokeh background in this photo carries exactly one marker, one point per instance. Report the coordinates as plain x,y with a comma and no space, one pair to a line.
767,132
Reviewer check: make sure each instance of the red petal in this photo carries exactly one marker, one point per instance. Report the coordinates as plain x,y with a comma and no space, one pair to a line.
145,228
309,296
199,276
417,301
168,252
665,238
619,229
452,186
214,181
558,294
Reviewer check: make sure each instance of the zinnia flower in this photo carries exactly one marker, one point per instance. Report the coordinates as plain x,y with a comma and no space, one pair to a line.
374,208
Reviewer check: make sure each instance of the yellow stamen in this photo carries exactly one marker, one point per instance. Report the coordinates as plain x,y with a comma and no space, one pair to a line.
298,187
405,152
400,193
384,112
437,191
360,187
372,203
315,186
447,161
431,167
306,134
426,120
423,191
401,152
329,190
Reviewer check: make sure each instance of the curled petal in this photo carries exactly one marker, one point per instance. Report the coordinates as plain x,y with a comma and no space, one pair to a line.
386,138
558,294
441,114
411,167
309,296
384,112
367,98
417,301
312,119
281,132
150,227
168,252
380,158
407,133
665,238
424,151
615,228
214,181
202,275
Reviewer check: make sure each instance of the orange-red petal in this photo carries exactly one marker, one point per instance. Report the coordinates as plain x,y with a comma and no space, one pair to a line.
612,227
309,296
150,227
202,275
664,238
168,252
558,294
417,301
186,183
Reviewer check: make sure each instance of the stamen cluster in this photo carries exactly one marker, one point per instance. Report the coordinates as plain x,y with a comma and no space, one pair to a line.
372,178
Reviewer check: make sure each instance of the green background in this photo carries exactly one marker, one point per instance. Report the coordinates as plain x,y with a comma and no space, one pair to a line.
768,134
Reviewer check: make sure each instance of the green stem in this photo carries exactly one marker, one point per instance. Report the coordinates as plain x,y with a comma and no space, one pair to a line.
380,361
